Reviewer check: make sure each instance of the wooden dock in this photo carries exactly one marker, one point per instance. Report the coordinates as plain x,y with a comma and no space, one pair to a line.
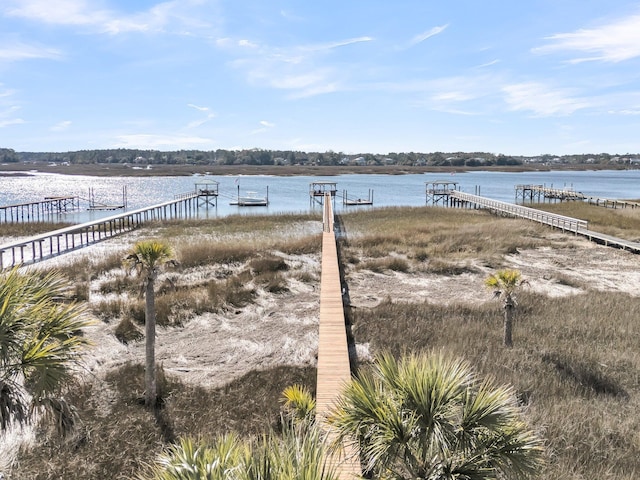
56,242
570,224
41,211
541,193
334,369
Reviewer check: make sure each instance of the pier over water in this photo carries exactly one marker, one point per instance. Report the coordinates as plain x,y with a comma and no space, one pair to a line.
56,242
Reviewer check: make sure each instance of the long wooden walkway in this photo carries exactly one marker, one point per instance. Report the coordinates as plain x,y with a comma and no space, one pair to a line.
334,370
579,227
56,242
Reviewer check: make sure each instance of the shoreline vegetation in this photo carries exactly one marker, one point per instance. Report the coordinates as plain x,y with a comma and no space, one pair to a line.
238,323
117,169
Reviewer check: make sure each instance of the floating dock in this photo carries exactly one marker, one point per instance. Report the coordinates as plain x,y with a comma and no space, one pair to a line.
355,201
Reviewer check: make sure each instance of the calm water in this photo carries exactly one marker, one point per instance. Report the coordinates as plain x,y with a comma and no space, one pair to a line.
291,194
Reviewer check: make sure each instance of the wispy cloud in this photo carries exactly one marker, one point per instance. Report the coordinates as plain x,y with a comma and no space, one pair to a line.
542,100
86,14
12,121
152,141
421,37
202,109
201,121
22,51
488,64
265,127
8,108
337,44
302,70
613,42
61,126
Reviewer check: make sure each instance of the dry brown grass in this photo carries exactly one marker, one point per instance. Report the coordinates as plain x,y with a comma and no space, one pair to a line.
119,435
438,239
575,366
619,222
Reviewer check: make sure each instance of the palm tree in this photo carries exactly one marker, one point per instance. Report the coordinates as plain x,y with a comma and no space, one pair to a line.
505,284
40,344
147,257
430,417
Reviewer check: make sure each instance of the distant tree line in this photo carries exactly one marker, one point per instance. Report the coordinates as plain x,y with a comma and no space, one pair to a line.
289,157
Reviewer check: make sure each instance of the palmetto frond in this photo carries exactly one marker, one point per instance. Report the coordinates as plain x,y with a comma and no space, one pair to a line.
429,416
298,403
296,454
147,256
40,341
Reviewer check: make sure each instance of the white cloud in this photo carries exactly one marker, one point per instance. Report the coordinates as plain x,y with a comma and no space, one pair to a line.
61,12
12,121
301,70
202,109
543,101
338,44
152,142
61,126
264,123
428,34
23,51
85,13
614,42
196,123
247,44
488,64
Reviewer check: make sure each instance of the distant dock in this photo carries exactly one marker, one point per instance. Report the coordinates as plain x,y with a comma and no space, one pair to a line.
41,211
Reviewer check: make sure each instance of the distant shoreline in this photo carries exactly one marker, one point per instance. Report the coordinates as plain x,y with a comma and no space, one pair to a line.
159,170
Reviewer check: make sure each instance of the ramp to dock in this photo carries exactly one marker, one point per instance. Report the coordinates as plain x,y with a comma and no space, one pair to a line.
334,369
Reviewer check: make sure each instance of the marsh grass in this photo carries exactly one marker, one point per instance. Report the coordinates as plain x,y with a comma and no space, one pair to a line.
445,234
236,224
119,435
575,365
268,263
380,265
619,222
106,310
127,332
29,228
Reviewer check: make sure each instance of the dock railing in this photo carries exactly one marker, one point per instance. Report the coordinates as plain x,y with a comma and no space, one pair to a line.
45,245
558,221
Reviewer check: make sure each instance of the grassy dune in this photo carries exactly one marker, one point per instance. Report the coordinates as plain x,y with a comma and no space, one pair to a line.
575,363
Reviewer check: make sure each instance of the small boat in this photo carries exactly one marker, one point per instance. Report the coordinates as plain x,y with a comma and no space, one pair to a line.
251,199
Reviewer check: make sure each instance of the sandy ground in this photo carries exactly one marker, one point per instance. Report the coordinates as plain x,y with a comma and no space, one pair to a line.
212,349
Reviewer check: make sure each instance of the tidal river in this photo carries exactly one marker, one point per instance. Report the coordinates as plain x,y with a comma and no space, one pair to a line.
291,194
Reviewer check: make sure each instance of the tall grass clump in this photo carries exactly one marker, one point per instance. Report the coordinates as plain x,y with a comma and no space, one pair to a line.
196,255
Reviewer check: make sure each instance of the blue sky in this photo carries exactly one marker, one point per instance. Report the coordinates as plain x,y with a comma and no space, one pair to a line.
353,76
